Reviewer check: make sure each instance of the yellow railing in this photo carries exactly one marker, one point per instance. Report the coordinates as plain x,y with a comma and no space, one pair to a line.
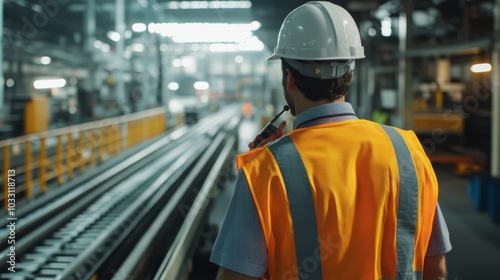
31,161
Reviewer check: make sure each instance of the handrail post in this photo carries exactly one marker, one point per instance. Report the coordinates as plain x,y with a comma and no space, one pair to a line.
69,160
116,130
129,134
108,140
59,156
92,147
81,148
6,167
101,144
28,169
43,182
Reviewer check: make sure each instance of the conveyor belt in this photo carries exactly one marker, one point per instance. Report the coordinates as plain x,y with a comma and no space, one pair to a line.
79,233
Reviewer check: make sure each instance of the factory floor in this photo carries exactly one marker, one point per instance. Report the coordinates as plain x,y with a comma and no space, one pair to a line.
474,236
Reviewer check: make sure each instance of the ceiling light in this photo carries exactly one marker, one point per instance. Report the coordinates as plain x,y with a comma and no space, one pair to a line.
138,47
372,32
239,59
205,32
9,83
480,68
139,27
105,48
250,45
97,44
177,63
201,85
184,5
173,86
386,27
45,60
53,83
187,61
114,36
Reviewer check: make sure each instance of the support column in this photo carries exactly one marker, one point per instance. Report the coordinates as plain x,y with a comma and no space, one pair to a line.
120,47
90,37
2,78
405,110
495,97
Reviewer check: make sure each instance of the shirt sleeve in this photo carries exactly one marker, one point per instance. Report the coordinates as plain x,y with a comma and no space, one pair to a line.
240,244
439,242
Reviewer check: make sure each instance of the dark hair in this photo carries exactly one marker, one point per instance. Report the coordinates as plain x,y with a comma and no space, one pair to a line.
316,89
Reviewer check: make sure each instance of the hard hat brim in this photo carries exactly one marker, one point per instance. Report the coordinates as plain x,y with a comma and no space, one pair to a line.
274,56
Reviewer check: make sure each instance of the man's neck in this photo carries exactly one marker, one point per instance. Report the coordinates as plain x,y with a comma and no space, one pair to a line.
305,103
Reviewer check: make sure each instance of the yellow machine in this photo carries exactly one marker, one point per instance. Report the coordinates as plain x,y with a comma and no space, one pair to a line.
36,116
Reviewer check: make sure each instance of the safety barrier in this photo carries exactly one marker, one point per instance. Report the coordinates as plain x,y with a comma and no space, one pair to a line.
31,161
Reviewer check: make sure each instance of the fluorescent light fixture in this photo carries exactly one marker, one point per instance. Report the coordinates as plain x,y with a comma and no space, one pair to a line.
252,44
386,29
480,68
173,86
177,63
201,85
9,83
53,83
372,32
45,60
138,47
176,5
114,36
239,59
255,25
187,61
221,47
139,27
97,44
205,32
105,48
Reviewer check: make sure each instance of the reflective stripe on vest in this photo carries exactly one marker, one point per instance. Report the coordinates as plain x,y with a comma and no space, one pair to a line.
302,209
407,205
301,202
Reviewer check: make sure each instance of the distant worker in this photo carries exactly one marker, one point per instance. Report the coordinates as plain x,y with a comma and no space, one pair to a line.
338,197
247,109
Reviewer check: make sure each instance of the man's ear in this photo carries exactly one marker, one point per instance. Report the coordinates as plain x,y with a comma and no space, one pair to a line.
290,79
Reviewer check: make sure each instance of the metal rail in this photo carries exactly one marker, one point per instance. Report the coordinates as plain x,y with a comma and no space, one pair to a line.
82,244
35,221
58,155
174,262
189,198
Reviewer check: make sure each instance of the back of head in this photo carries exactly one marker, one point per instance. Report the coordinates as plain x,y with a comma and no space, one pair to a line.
319,40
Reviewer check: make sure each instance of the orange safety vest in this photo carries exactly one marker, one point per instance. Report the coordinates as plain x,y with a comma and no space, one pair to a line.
343,200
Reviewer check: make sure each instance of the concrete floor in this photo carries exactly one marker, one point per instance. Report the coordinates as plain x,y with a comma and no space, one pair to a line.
474,236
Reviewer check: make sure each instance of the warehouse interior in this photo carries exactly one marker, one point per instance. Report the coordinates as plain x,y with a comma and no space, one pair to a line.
89,83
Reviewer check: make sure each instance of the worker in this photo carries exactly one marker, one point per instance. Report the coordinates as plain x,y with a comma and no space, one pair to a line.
337,197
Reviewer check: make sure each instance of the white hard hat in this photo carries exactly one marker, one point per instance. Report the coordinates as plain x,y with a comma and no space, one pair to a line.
319,30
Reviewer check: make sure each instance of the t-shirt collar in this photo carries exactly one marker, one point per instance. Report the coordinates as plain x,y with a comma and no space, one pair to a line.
325,113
